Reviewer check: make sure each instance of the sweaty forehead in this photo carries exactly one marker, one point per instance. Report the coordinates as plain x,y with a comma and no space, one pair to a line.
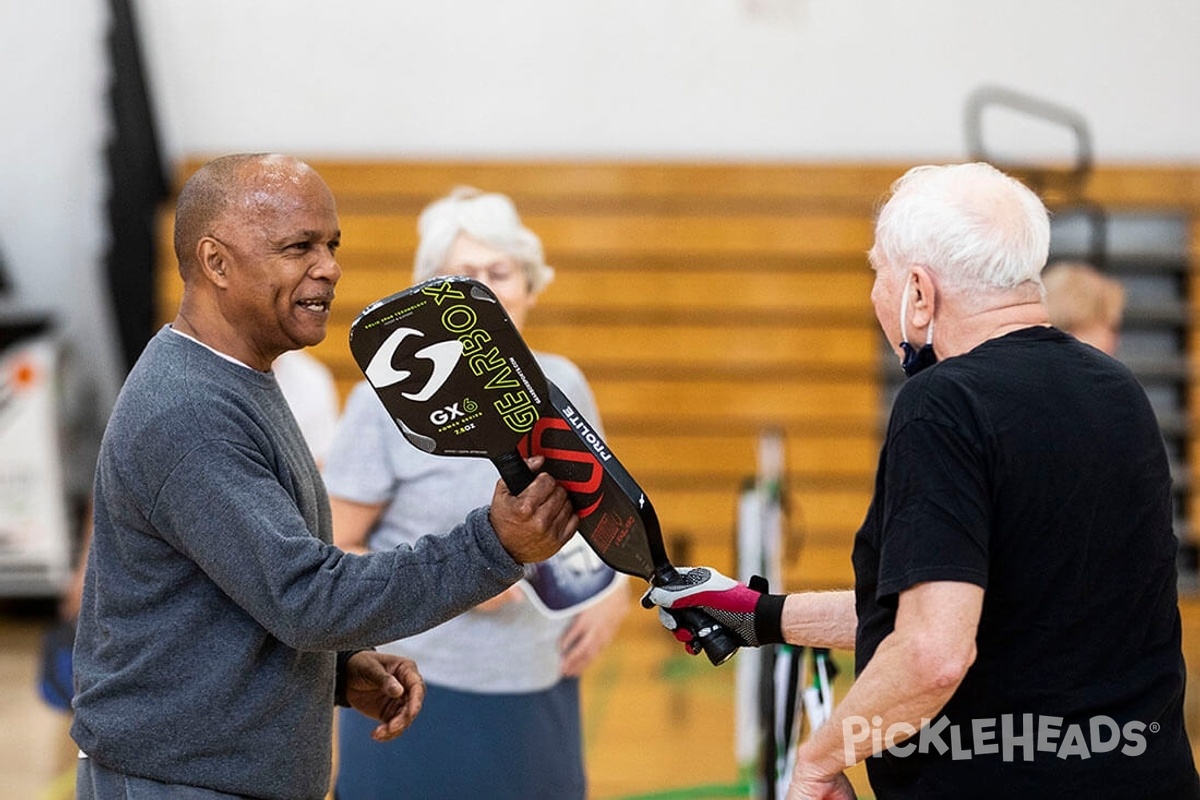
281,185
283,194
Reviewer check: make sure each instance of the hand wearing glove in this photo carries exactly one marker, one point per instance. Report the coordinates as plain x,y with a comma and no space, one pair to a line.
748,612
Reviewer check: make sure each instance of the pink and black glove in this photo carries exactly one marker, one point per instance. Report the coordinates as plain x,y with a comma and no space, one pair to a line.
748,612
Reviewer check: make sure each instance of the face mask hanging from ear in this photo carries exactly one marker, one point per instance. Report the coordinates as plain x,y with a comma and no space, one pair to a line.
914,359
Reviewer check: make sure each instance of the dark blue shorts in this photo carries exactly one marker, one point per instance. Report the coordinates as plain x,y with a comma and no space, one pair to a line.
463,744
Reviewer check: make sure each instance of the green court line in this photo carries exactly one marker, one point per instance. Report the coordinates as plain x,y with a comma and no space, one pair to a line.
730,791
745,787
714,790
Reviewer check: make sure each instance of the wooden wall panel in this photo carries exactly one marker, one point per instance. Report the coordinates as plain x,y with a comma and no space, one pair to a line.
706,302
409,184
733,455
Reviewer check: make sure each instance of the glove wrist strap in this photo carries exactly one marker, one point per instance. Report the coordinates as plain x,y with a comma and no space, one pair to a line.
768,619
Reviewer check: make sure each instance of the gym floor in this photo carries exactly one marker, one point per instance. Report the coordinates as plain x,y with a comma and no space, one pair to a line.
657,722
658,725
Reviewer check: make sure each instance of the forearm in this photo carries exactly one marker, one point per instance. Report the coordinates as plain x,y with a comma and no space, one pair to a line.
889,702
913,673
820,619
319,598
353,522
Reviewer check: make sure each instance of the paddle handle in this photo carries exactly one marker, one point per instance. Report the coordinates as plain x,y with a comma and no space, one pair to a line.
514,471
716,642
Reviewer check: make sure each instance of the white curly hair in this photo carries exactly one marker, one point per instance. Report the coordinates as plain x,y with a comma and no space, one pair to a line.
489,218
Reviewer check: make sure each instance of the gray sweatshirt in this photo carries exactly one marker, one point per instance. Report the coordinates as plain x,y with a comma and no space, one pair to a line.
214,603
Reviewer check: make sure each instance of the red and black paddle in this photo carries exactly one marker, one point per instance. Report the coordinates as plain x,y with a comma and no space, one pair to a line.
458,379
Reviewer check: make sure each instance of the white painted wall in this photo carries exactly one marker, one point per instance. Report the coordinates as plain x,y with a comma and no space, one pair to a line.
52,194
826,79
687,79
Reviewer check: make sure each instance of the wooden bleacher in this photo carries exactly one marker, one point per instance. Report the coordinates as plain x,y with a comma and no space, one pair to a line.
705,303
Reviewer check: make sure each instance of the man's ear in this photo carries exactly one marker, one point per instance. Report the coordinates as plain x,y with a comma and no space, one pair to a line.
213,260
922,296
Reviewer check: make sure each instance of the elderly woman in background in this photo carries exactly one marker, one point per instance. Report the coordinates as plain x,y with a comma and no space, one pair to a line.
501,719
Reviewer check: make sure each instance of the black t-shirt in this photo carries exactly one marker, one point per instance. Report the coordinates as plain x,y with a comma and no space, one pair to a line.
1033,467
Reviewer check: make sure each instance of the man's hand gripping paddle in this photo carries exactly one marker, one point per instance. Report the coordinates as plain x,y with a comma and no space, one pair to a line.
458,379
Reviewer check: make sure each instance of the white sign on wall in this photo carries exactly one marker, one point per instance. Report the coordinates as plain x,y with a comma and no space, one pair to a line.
34,541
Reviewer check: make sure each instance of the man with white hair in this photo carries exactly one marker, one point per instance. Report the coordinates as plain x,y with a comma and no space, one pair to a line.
1014,617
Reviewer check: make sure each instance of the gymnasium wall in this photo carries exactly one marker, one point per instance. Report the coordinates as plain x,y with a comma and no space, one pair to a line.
707,83
706,303
665,79
691,80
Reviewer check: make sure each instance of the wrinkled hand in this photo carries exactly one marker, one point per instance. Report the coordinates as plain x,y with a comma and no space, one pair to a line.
592,630
535,524
836,788
385,687
753,616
